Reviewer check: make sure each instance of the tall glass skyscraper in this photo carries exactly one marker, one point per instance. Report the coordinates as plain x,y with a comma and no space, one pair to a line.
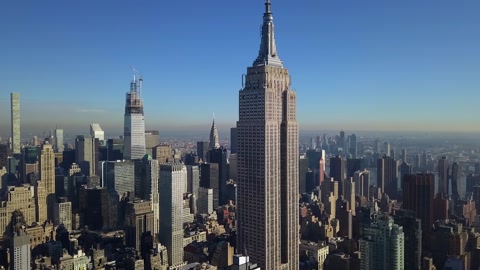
268,160
134,123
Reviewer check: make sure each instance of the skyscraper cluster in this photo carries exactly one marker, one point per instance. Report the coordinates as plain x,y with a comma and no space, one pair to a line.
265,199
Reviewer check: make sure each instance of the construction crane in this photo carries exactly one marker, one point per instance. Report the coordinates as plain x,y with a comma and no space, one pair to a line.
136,74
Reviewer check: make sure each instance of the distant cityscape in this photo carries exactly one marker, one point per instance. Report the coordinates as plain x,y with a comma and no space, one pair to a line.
262,195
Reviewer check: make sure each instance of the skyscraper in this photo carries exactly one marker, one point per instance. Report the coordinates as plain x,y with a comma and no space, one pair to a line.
353,145
233,140
456,176
97,132
382,246
443,169
15,122
87,154
418,192
134,123
268,159
404,155
337,171
387,178
59,147
171,183
47,176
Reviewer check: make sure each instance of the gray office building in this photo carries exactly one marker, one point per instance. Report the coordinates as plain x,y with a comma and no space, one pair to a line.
233,140
58,139
119,176
87,154
171,183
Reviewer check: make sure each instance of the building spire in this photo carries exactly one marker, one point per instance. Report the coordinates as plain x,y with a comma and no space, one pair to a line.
267,55
214,144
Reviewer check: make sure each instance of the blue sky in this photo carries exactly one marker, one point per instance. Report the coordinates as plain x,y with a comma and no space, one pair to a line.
356,65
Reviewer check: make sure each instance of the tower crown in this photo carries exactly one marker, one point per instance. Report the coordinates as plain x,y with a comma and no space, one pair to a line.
267,55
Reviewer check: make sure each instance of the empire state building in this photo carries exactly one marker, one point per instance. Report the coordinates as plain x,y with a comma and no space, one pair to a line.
268,156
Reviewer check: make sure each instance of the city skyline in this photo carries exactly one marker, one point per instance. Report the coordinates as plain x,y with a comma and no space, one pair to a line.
391,58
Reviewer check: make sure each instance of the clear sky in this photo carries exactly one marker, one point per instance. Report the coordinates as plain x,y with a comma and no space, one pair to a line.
356,65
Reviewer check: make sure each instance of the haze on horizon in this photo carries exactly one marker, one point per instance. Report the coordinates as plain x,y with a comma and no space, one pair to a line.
390,66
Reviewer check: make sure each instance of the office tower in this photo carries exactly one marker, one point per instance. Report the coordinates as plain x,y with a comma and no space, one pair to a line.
382,245
87,154
353,165
62,213
193,179
97,132
15,122
219,156
472,180
58,139
418,190
29,162
477,168
337,172
376,146
205,200
443,170
114,149
341,141
97,208
440,207
3,155
418,162
233,140
134,123
210,178
163,153
191,159
386,149
362,183
321,170
138,220
350,194
147,187
47,177
119,177
387,178
456,177
233,167
313,144
202,150
171,182
152,139
412,229
268,160
302,175
405,169
424,160
353,145
392,153
213,143
404,155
